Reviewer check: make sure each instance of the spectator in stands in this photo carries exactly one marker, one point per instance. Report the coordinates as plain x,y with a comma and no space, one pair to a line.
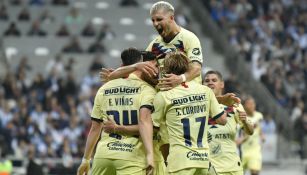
63,31
97,64
52,85
73,46
73,132
46,17
106,32
67,157
37,2
181,18
39,85
3,13
33,167
10,86
70,64
24,64
60,2
5,114
56,65
300,133
15,2
125,3
24,15
88,30
74,16
36,30
297,111
67,87
268,125
12,30
272,35
88,83
96,47
23,82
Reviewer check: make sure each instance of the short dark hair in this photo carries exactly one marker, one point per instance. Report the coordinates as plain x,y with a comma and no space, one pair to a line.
148,56
176,63
130,56
219,75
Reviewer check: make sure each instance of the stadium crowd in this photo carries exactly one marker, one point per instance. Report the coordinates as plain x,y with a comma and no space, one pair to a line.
272,37
51,113
47,114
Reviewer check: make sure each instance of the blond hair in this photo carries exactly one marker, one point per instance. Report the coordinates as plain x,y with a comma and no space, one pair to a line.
162,5
176,63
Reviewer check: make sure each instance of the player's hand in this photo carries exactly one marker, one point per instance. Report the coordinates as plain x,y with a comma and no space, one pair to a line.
242,116
150,165
109,126
229,99
104,74
147,68
84,168
169,82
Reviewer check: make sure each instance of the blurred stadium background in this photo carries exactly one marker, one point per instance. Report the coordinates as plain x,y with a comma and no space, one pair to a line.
52,50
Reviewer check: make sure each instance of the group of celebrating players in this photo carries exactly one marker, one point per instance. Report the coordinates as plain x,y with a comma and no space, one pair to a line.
154,116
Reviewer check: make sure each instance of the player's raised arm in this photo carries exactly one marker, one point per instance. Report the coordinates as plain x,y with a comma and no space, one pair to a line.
129,66
124,71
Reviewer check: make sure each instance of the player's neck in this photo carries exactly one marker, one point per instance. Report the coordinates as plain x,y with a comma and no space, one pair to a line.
137,73
172,34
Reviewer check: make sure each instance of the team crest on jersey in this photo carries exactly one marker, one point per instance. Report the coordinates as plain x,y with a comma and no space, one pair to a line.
196,51
159,49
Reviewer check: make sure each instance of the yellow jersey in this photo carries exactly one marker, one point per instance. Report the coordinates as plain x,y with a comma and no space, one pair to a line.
185,110
185,41
121,100
252,144
223,149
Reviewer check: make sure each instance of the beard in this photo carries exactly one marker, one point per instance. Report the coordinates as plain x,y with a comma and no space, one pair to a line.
160,29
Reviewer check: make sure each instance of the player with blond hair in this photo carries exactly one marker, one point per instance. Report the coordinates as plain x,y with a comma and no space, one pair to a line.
185,110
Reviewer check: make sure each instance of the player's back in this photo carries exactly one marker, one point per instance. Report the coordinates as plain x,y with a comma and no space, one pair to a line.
187,110
121,100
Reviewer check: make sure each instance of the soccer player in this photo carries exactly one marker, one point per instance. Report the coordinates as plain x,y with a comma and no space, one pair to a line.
251,145
110,125
127,102
223,148
172,38
186,109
